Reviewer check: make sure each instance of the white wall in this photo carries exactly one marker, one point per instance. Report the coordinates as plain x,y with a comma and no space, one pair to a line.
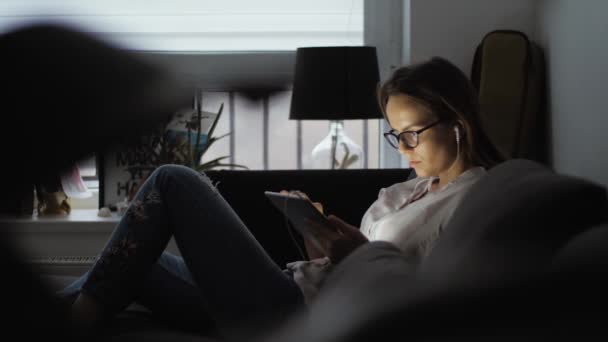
452,29
574,36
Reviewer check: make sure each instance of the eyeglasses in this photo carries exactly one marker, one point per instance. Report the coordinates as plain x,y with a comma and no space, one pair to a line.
408,138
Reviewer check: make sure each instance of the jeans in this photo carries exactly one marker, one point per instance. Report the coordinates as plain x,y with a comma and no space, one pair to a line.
224,278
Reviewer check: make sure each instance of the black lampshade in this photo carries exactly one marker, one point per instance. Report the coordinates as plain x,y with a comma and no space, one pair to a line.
335,83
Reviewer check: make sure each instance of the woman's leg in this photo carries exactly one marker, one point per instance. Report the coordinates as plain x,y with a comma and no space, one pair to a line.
173,297
238,281
169,292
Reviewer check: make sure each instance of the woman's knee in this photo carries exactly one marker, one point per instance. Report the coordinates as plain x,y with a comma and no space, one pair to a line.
172,169
181,173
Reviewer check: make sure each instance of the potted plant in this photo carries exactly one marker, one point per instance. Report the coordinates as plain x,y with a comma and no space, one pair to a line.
186,139
182,140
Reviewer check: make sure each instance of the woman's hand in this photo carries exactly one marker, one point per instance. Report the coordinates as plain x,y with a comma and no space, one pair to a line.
339,240
300,194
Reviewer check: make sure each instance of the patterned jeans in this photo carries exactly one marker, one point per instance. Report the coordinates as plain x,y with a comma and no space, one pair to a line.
224,277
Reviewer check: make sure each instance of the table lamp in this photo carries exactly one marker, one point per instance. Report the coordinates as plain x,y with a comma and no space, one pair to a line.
336,83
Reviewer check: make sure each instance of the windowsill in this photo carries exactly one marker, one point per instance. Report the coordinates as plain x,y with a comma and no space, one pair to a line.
45,241
78,221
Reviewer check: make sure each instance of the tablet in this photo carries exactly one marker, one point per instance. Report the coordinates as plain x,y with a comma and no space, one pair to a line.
296,210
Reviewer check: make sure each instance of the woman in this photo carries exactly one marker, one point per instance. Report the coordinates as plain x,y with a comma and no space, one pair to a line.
226,280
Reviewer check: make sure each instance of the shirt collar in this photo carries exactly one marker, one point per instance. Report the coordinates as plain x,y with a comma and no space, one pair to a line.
472,173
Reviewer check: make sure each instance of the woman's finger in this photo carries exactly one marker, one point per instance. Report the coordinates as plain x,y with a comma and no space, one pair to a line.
299,194
319,206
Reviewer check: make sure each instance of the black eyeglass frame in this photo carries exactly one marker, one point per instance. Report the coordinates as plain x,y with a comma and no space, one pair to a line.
404,141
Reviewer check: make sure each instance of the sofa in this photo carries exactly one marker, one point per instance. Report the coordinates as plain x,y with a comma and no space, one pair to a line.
524,256
346,193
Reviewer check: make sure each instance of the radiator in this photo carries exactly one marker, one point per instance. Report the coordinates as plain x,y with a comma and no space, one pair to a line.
62,265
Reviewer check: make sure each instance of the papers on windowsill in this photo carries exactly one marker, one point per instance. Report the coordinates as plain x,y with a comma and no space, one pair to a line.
73,185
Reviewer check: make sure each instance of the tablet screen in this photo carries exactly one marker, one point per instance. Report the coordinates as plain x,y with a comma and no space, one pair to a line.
297,210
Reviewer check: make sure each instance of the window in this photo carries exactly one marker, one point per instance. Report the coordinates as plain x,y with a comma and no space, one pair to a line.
220,46
201,25
265,138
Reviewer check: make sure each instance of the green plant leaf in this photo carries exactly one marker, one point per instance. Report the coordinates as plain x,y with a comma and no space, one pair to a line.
211,162
350,161
210,141
190,156
210,138
221,136
198,136
188,148
234,165
216,163
217,118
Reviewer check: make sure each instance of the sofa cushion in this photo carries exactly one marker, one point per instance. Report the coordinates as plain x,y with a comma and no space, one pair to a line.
511,223
577,282
586,253
359,288
580,268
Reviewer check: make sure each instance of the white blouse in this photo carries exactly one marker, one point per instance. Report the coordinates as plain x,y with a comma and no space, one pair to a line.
407,214
411,216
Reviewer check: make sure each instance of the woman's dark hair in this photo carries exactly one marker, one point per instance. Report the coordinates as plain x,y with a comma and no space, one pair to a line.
446,91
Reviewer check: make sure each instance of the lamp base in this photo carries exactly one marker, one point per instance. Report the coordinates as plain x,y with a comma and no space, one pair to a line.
337,150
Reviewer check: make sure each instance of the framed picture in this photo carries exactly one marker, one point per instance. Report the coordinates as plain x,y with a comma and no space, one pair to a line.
123,169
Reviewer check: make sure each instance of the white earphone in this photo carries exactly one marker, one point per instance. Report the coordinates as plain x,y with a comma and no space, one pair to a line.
457,131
